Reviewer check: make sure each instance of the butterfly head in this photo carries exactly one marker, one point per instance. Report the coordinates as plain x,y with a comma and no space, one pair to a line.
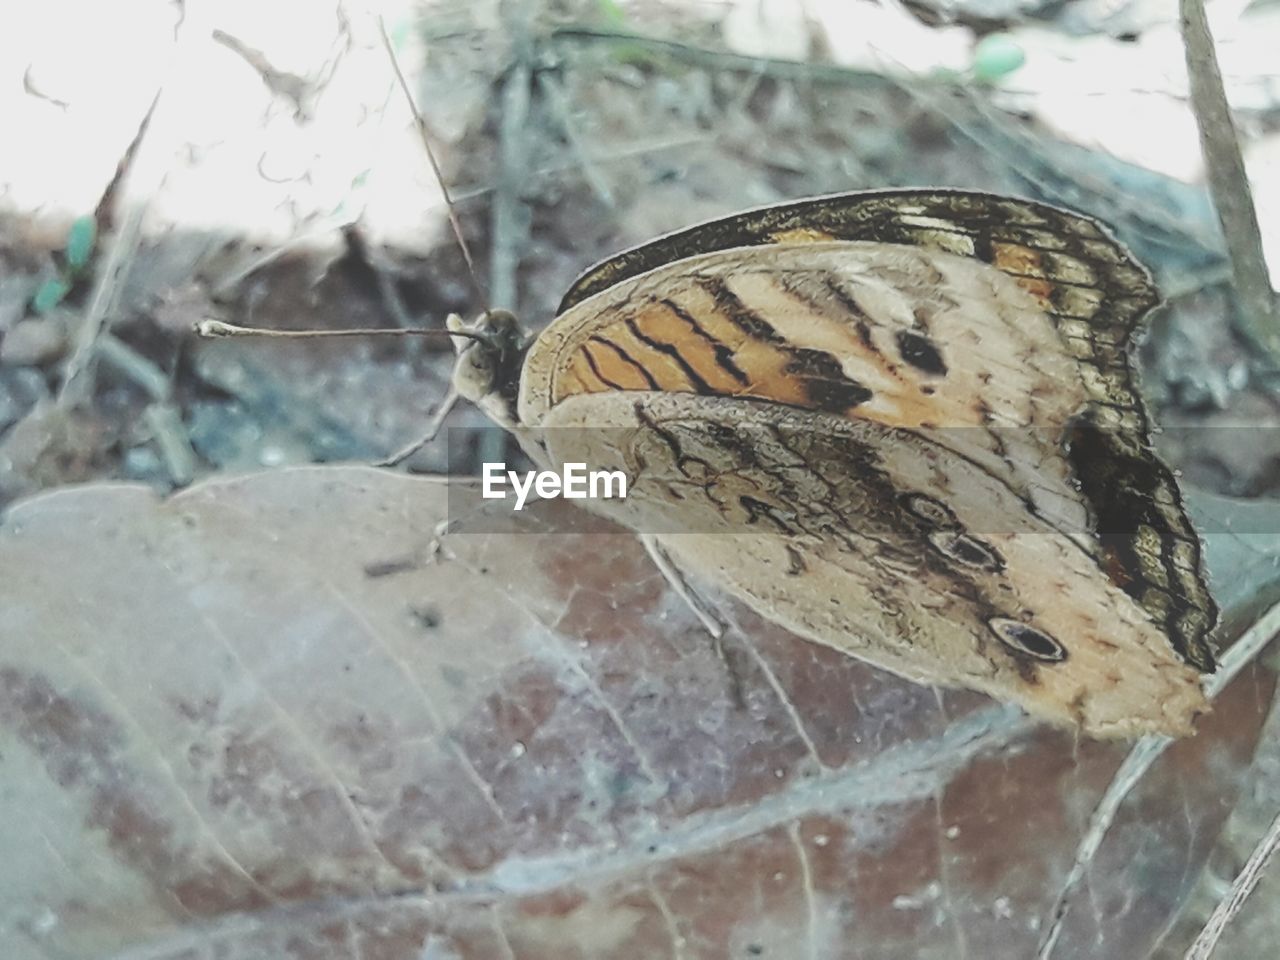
488,368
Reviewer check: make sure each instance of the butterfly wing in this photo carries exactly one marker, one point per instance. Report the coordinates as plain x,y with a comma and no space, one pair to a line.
901,336
1060,255
887,545
1004,323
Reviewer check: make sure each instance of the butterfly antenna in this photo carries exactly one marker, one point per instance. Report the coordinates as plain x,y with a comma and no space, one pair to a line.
216,329
435,166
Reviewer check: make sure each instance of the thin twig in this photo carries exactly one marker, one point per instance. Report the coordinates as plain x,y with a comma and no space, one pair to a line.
1140,759
421,125
146,166
172,441
463,194
389,293
507,221
721,59
1243,886
142,371
1144,753
78,381
220,288
385,278
1229,184
553,93
162,416
299,91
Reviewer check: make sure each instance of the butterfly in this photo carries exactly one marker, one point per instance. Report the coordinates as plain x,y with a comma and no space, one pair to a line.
903,424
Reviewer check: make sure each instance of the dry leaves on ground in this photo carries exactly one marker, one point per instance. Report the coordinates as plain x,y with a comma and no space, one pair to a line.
282,716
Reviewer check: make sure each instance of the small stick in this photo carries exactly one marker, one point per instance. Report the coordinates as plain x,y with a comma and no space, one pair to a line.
1229,183
171,439
145,373
553,92
134,178
216,329
1135,766
507,224
508,217
421,126
1239,893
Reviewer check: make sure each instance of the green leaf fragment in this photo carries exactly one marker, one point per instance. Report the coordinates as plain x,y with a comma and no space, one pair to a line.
50,294
80,240
997,55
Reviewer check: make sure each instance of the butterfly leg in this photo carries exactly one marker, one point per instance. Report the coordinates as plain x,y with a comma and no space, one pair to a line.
437,420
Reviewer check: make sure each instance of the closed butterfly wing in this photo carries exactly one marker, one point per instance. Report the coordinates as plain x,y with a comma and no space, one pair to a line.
990,332
885,544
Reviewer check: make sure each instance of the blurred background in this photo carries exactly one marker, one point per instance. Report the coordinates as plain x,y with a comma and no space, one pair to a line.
278,180
165,162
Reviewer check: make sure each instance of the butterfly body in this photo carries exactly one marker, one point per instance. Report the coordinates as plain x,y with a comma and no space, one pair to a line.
900,424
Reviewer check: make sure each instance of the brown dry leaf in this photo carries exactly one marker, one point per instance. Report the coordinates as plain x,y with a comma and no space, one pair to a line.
277,716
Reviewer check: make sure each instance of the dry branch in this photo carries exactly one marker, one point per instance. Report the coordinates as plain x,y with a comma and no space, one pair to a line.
1229,185
1244,885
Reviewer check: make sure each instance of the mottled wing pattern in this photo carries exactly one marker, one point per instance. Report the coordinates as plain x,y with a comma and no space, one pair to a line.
890,348
902,336
1056,253
880,542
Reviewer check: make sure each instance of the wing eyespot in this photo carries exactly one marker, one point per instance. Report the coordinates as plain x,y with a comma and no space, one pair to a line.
1027,640
931,511
921,352
966,550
